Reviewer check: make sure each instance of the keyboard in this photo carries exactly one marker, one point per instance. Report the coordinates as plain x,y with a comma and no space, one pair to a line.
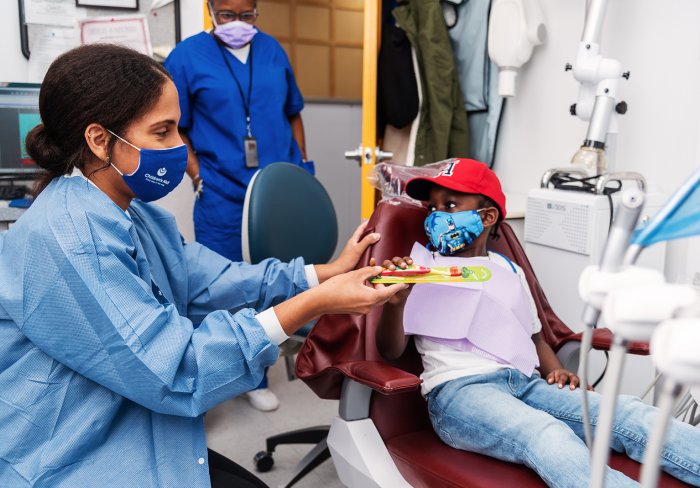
13,192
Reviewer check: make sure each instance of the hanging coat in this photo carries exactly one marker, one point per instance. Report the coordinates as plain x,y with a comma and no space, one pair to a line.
442,130
477,74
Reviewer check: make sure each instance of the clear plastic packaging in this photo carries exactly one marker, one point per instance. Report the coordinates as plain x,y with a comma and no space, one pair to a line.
391,179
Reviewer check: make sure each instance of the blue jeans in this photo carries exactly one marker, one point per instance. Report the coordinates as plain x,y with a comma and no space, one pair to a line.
508,416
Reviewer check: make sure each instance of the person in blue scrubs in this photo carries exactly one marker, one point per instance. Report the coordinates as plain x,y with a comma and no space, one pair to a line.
236,88
116,336
221,88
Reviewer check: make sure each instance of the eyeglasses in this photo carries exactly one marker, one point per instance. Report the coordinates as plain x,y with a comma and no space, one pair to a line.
224,16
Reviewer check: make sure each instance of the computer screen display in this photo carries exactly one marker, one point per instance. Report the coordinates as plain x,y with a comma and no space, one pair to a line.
19,113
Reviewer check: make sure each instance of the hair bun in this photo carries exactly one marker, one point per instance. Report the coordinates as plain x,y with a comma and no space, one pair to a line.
44,152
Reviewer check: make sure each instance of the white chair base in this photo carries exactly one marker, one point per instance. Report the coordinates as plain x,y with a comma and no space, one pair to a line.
360,456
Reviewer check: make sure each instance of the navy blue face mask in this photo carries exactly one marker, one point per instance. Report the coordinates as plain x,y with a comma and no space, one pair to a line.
158,173
450,233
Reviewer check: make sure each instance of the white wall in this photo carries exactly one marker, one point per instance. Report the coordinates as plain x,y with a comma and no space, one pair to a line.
13,65
659,42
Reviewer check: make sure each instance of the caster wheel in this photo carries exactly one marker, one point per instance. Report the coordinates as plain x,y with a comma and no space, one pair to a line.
263,461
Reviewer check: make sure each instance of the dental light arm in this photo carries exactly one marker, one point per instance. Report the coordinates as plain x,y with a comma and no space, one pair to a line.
515,28
597,98
611,261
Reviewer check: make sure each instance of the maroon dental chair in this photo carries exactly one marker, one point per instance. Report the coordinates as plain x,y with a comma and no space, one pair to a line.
383,436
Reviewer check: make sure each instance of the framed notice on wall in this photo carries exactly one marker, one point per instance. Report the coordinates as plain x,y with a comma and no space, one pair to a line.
129,30
119,4
47,25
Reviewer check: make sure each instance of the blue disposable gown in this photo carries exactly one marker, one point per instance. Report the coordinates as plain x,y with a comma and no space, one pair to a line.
104,378
213,116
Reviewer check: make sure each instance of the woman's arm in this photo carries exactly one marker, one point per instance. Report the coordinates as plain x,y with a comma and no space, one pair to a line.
347,293
102,320
298,133
216,283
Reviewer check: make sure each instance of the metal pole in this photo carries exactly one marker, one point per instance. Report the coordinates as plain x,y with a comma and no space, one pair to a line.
606,414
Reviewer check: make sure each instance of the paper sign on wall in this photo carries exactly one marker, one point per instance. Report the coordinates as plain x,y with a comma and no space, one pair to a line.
128,30
47,44
50,12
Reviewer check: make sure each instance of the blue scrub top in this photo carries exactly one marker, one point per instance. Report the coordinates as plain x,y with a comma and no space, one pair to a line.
104,377
213,113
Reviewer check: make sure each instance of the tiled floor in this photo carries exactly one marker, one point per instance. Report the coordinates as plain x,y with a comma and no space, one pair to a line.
238,431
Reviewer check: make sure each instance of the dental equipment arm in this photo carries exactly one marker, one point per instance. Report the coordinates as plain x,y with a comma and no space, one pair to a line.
611,261
674,351
597,98
515,28
637,302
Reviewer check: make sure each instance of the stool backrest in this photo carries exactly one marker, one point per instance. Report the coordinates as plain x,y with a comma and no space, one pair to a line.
287,213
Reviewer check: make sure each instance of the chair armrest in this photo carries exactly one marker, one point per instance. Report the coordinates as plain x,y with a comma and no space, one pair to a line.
602,341
379,376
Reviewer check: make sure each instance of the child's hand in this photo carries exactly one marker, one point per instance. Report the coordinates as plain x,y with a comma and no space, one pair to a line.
561,376
400,297
393,263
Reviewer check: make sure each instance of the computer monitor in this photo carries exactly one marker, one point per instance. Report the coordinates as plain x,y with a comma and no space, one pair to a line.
19,113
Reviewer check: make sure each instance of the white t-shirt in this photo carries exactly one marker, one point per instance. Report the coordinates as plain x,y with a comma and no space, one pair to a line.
240,53
442,363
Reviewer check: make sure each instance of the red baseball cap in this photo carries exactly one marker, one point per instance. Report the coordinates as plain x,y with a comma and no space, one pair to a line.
462,175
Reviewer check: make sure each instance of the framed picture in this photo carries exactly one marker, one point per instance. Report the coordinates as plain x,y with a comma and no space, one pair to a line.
120,4
127,30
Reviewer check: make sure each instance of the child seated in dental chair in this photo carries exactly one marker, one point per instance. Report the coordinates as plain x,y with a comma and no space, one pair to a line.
492,383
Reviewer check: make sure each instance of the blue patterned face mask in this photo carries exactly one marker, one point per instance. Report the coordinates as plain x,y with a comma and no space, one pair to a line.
158,173
450,233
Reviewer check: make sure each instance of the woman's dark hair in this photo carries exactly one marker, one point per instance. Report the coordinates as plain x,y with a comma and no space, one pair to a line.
98,83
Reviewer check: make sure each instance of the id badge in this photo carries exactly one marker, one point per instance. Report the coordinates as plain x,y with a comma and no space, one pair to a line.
250,145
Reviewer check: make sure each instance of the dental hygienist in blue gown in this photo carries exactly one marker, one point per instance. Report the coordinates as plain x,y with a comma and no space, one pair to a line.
115,336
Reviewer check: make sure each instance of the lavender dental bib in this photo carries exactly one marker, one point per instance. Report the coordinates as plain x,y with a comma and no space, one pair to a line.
492,318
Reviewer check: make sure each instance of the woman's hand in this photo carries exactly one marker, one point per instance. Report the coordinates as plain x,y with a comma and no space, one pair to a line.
561,377
349,256
344,293
351,293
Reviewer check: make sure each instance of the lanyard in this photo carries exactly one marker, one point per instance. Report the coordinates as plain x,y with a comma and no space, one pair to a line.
246,100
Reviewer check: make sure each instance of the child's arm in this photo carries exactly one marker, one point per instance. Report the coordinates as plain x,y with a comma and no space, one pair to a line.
551,368
390,339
